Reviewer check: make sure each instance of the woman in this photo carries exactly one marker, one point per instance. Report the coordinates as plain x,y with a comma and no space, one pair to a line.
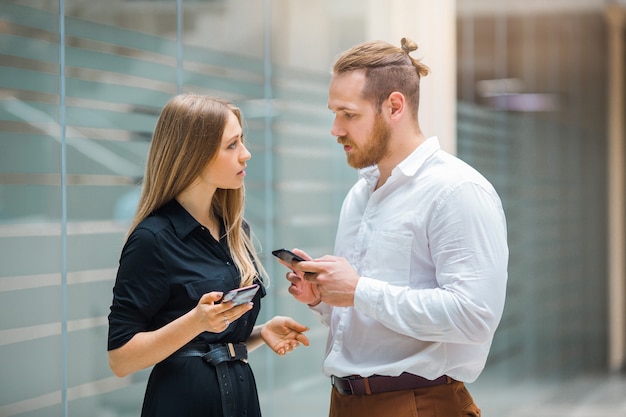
188,245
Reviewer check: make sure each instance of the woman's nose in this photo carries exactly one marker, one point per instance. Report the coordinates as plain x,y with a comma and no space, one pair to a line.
245,154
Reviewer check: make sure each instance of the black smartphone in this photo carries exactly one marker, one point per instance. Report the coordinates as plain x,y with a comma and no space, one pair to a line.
287,255
241,295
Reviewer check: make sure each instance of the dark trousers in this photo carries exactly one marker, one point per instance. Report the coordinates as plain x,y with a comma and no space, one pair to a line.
445,400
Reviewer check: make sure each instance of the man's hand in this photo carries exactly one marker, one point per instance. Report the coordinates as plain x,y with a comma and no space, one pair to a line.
302,290
333,277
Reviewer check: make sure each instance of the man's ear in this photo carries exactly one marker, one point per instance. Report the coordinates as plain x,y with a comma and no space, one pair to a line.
396,104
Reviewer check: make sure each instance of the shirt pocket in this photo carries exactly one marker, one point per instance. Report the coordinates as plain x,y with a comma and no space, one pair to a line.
196,289
388,257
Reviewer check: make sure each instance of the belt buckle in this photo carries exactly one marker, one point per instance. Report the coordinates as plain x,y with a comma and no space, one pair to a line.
231,350
344,384
338,383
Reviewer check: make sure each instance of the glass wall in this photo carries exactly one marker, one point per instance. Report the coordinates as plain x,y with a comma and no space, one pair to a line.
532,105
82,83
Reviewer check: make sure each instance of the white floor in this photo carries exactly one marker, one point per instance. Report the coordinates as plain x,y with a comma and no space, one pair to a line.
601,396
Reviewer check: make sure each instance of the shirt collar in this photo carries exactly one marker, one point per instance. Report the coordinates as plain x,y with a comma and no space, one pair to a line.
409,165
370,174
182,222
416,159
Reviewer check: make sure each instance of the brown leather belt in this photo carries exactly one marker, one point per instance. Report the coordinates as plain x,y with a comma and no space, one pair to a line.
356,385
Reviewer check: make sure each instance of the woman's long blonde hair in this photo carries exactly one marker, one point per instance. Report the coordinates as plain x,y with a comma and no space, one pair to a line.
186,138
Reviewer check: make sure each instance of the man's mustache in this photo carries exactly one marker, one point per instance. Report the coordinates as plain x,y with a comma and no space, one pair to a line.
343,140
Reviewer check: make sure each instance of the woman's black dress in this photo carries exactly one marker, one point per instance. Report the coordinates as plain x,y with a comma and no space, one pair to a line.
167,264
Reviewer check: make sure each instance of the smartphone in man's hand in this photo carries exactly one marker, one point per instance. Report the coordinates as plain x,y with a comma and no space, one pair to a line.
287,255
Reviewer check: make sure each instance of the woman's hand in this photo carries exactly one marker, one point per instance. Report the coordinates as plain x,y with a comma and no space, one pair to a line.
145,349
283,334
216,318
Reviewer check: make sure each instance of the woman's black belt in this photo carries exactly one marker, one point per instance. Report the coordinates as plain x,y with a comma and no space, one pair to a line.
215,353
218,355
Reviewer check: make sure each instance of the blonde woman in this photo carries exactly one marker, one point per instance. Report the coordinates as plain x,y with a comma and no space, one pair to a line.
187,246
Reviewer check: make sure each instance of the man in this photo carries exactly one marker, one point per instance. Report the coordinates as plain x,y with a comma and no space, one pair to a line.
416,288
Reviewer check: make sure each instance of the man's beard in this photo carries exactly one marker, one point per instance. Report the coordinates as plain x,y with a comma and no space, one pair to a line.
374,149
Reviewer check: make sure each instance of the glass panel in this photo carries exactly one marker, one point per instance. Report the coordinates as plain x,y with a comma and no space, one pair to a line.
121,66
30,212
121,69
529,122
